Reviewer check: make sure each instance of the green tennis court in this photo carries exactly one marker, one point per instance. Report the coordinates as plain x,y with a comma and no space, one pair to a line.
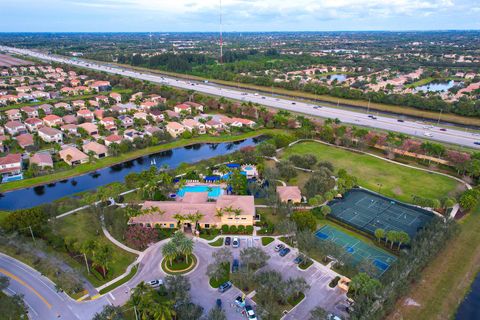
357,248
368,211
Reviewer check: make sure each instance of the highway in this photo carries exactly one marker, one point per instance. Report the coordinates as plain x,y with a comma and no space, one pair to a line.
412,128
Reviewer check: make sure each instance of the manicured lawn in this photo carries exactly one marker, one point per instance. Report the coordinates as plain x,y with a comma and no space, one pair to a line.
217,243
420,82
396,181
445,281
83,226
296,300
109,161
132,273
305,265
267,240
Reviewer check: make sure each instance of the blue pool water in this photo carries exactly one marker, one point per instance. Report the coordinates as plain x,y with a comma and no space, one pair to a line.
213,192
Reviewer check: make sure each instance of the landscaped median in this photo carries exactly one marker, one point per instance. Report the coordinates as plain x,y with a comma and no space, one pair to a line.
178,267
110,161
123,280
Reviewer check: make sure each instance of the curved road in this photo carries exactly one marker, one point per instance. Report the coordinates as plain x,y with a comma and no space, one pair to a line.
453,136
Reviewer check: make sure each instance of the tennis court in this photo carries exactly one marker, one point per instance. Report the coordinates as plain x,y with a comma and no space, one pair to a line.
357,248
368,211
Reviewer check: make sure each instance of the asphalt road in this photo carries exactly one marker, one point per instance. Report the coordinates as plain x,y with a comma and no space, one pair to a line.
453,136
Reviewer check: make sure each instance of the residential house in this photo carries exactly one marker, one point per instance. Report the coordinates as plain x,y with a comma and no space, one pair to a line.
85,114
195,106
10,165
42,160
25,140
147,105
157,99
215,125
101,86
141,115
99,150
102,99
113,138
172,114
47,108
98,114
89,127
109,123
135,96
192,124
157,115
175,129
151,130
126,121
245,122
78,104
13,114
70,129
289,194
31,112
131,134
33,124
116,96
50,135
73,156
69,119
15,127
52,120
179,108
63,105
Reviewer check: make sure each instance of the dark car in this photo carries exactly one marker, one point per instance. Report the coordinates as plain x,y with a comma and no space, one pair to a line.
294,103
235,265
443,129
219,303
298,260
477,143
284,252
250,313
224,286
227,241
400,120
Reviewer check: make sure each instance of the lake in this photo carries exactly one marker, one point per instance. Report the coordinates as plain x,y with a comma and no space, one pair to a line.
34,196
470,307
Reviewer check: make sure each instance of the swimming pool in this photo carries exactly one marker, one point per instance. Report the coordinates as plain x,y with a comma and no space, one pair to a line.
213,191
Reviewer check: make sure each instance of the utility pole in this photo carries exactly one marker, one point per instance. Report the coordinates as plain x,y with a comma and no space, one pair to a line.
439,116
31,232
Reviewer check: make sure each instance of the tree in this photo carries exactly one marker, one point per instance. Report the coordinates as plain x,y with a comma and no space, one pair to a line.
238,182
185,247
318,314
286,169
178,288
254,257
266,149
109,312
392,236
216,314
402,237
379,234
222,256
188,310
102,257
169,251
362,284
286,227
319,183
305,220
326,210
296,286
469,199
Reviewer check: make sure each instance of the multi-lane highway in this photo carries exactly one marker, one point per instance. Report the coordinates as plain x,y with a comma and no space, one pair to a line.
449,135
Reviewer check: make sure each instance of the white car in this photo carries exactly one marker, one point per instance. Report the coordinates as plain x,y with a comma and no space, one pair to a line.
155,283
428,134
235,242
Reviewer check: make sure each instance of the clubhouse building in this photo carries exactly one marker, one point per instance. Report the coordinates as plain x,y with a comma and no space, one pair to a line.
226,209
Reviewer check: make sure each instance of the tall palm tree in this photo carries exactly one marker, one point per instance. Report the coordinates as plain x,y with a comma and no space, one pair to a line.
186,247
180,218
219,212
169,251
195,218
162,310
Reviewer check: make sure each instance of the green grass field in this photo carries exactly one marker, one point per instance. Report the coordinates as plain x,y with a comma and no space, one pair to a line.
84,226
393,180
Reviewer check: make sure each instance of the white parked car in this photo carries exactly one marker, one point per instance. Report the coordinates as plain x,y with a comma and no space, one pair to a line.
155,283
235,242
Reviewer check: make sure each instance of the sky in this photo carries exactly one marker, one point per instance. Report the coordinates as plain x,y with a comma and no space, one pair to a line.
238,15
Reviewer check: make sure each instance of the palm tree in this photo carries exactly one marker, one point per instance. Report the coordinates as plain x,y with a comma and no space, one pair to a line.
169,251
186,247
162,310
392,236
195,218
402,237
180,218
379,234
219,213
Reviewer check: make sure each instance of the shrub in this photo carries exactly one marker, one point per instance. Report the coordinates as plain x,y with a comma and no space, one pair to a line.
241,229
225,228
233,229
249,229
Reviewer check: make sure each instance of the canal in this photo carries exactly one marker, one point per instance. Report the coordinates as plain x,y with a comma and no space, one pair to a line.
34,196
470,307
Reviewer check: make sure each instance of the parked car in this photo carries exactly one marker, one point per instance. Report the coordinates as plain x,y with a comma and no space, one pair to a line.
250,313
235,265
235,242
219,303
155,283
227,241
331,316
279,247
284,252
224,286
298,260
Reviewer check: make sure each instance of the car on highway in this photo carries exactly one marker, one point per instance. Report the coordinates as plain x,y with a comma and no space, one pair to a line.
284,252
227,241
235,242
264,98
443,129
374,118
477,143
250,312
400,120
235,265
154,283
294,103
428,134
224,286
279,247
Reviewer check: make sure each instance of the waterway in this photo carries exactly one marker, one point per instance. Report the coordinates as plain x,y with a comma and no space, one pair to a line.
436,86
470,307
34,196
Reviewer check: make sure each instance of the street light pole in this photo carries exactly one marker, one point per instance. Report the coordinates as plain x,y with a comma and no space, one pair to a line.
31,232
439,116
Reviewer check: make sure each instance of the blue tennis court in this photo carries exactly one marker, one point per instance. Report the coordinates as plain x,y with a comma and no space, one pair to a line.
357,248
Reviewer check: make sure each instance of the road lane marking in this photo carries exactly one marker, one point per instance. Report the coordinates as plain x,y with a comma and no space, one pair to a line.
14,277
